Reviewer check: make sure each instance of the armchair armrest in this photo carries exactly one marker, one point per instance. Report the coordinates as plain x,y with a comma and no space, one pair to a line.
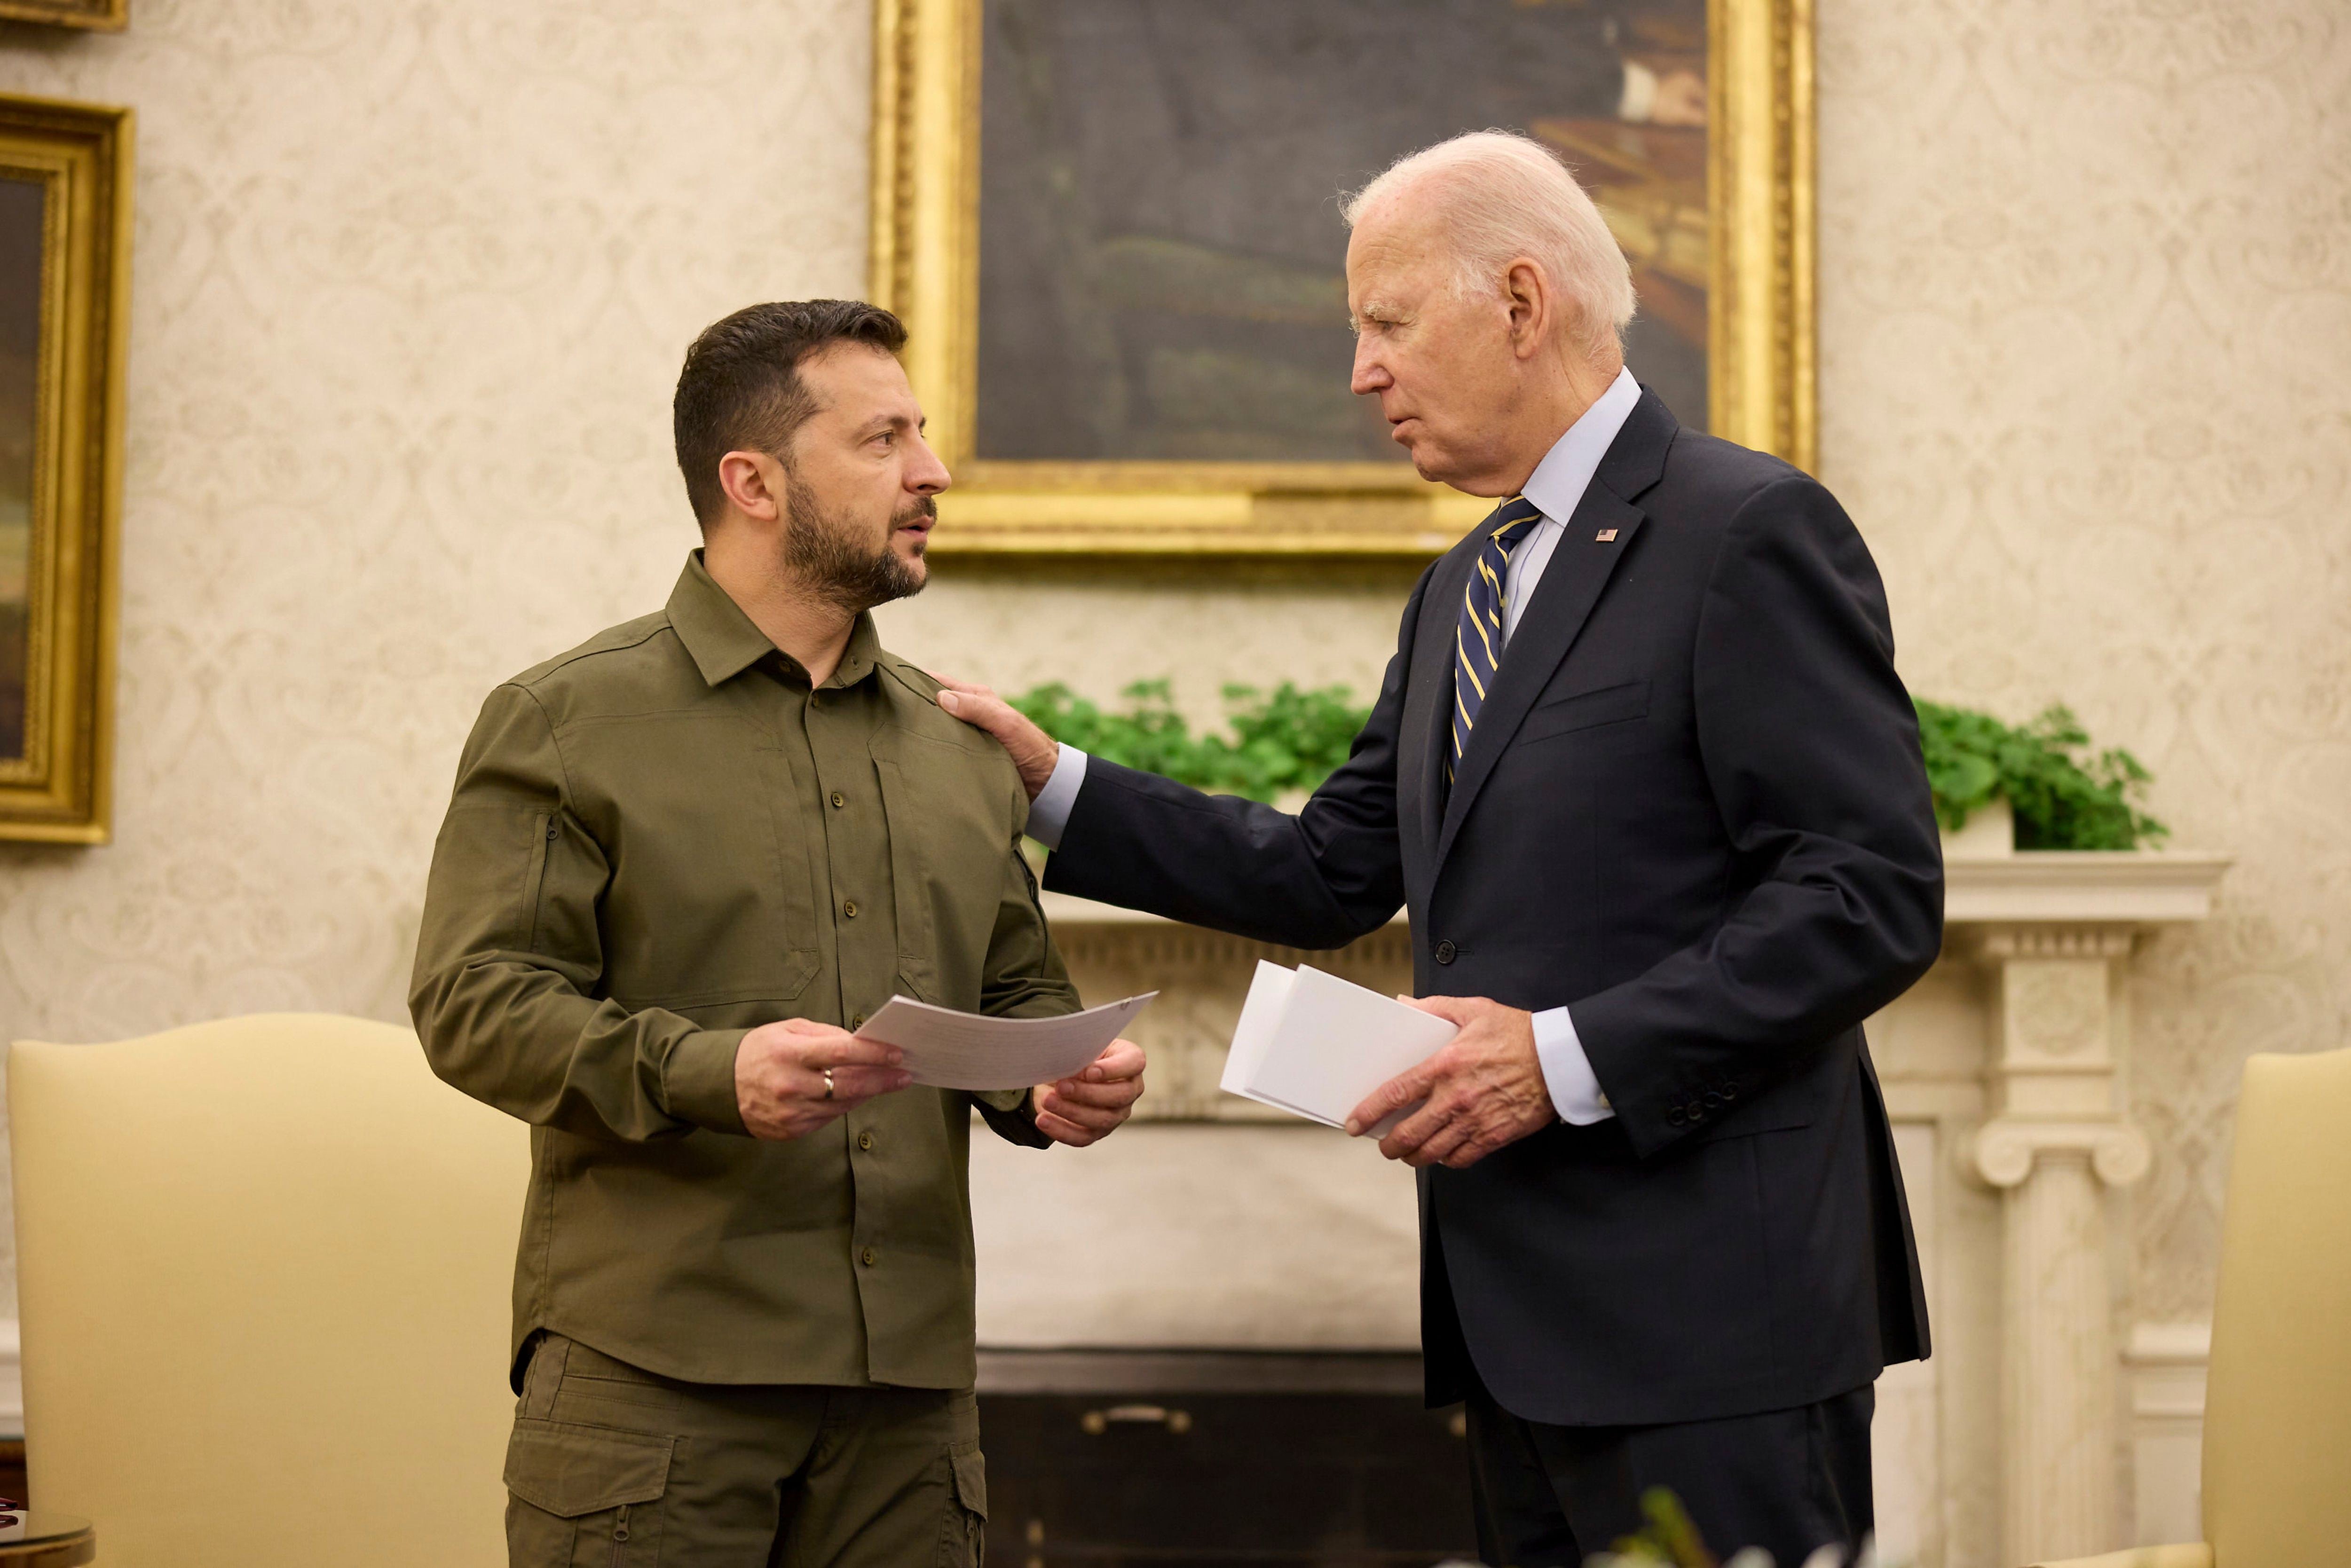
2198,1555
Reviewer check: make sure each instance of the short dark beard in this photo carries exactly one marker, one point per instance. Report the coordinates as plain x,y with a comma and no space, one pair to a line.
822,550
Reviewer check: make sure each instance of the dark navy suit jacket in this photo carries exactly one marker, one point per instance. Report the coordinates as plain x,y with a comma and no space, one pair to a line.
1694,812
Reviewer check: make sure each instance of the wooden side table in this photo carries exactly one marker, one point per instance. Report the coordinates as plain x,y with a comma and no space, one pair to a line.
45,1541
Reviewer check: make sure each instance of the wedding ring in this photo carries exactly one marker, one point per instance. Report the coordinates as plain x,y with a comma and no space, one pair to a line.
828,1082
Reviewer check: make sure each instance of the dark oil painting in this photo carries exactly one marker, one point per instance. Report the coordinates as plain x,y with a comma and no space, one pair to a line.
1162,259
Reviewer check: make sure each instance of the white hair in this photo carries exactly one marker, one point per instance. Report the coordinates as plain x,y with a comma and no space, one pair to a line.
1504,197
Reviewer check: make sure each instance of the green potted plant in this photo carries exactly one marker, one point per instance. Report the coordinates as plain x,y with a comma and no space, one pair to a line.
1282,744
1999,789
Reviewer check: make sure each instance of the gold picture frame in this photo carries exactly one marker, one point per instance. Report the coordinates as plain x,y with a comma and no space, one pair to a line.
1757,315
65,235
103,16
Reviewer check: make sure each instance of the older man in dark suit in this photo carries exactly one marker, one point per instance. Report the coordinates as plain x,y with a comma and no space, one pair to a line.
1643,775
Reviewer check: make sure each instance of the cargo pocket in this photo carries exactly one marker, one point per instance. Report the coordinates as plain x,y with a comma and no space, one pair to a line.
964,1541
584,1496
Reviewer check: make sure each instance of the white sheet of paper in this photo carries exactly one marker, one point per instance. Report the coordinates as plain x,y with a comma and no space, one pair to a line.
1261,1014
1314,1045
948,1049
1268,993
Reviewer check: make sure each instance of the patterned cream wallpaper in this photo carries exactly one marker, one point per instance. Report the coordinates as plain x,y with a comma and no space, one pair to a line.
411,279
2086,384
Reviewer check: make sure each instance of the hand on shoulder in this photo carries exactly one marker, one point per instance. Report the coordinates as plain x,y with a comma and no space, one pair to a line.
1033,752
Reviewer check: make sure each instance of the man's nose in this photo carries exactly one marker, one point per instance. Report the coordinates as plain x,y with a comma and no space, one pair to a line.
926,475
1370,374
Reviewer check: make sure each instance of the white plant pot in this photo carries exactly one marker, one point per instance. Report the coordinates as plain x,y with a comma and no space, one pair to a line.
1990,835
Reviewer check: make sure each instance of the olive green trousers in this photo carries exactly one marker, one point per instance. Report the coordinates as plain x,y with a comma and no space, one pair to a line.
614,1468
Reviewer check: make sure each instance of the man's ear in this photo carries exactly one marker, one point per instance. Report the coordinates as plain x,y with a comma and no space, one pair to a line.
1526,294
753,482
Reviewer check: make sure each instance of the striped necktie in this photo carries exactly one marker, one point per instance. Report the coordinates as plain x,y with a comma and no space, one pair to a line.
1478,636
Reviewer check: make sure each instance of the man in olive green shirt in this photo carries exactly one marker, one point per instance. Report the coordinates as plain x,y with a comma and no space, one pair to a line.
683,862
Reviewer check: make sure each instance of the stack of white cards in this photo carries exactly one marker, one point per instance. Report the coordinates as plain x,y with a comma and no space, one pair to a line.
1314,1045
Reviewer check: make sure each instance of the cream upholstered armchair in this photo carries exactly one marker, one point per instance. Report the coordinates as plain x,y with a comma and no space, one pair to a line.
2277,1420
265,1269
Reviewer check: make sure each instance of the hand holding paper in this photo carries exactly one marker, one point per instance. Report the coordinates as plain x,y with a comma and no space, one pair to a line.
1087,1107
1485,1091
1442,1079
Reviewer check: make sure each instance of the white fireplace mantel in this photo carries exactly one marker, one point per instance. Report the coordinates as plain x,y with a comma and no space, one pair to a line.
2146,888
2149,887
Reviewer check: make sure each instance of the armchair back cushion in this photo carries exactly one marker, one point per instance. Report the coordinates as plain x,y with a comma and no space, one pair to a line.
2277,1421
265,1269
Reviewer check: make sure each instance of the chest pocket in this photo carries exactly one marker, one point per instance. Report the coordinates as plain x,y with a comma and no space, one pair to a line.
711,899
951,836
1585,710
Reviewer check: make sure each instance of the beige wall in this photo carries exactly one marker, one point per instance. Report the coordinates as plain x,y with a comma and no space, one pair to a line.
2086,384
411,281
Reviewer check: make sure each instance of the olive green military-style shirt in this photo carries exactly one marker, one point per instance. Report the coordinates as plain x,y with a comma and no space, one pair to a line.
661,839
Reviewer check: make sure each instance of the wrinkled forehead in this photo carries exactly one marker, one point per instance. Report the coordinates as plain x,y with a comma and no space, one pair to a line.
1389,265
859,381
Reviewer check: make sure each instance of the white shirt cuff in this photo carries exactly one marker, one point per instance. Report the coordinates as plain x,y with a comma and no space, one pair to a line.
1567,1071
1049,813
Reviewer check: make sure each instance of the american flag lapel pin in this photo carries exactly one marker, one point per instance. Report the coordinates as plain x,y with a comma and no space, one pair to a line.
1606,537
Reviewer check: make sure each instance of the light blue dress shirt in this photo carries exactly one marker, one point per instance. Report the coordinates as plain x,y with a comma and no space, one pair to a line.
1557,486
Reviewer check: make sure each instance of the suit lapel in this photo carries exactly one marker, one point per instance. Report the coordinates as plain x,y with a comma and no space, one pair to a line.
1596,538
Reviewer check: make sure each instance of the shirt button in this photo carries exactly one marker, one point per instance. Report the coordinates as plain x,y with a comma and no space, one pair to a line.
866,1256
848,907
865,1142
838,799
856,1022
1444,951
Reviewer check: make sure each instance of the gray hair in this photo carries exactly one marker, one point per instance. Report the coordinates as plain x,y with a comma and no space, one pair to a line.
1505,197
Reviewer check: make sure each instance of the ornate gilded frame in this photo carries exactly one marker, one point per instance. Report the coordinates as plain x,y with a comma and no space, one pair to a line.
59,790
925,265
105,15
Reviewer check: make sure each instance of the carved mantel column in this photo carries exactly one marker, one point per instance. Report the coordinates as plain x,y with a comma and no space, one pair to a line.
2056,930
2057,1140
